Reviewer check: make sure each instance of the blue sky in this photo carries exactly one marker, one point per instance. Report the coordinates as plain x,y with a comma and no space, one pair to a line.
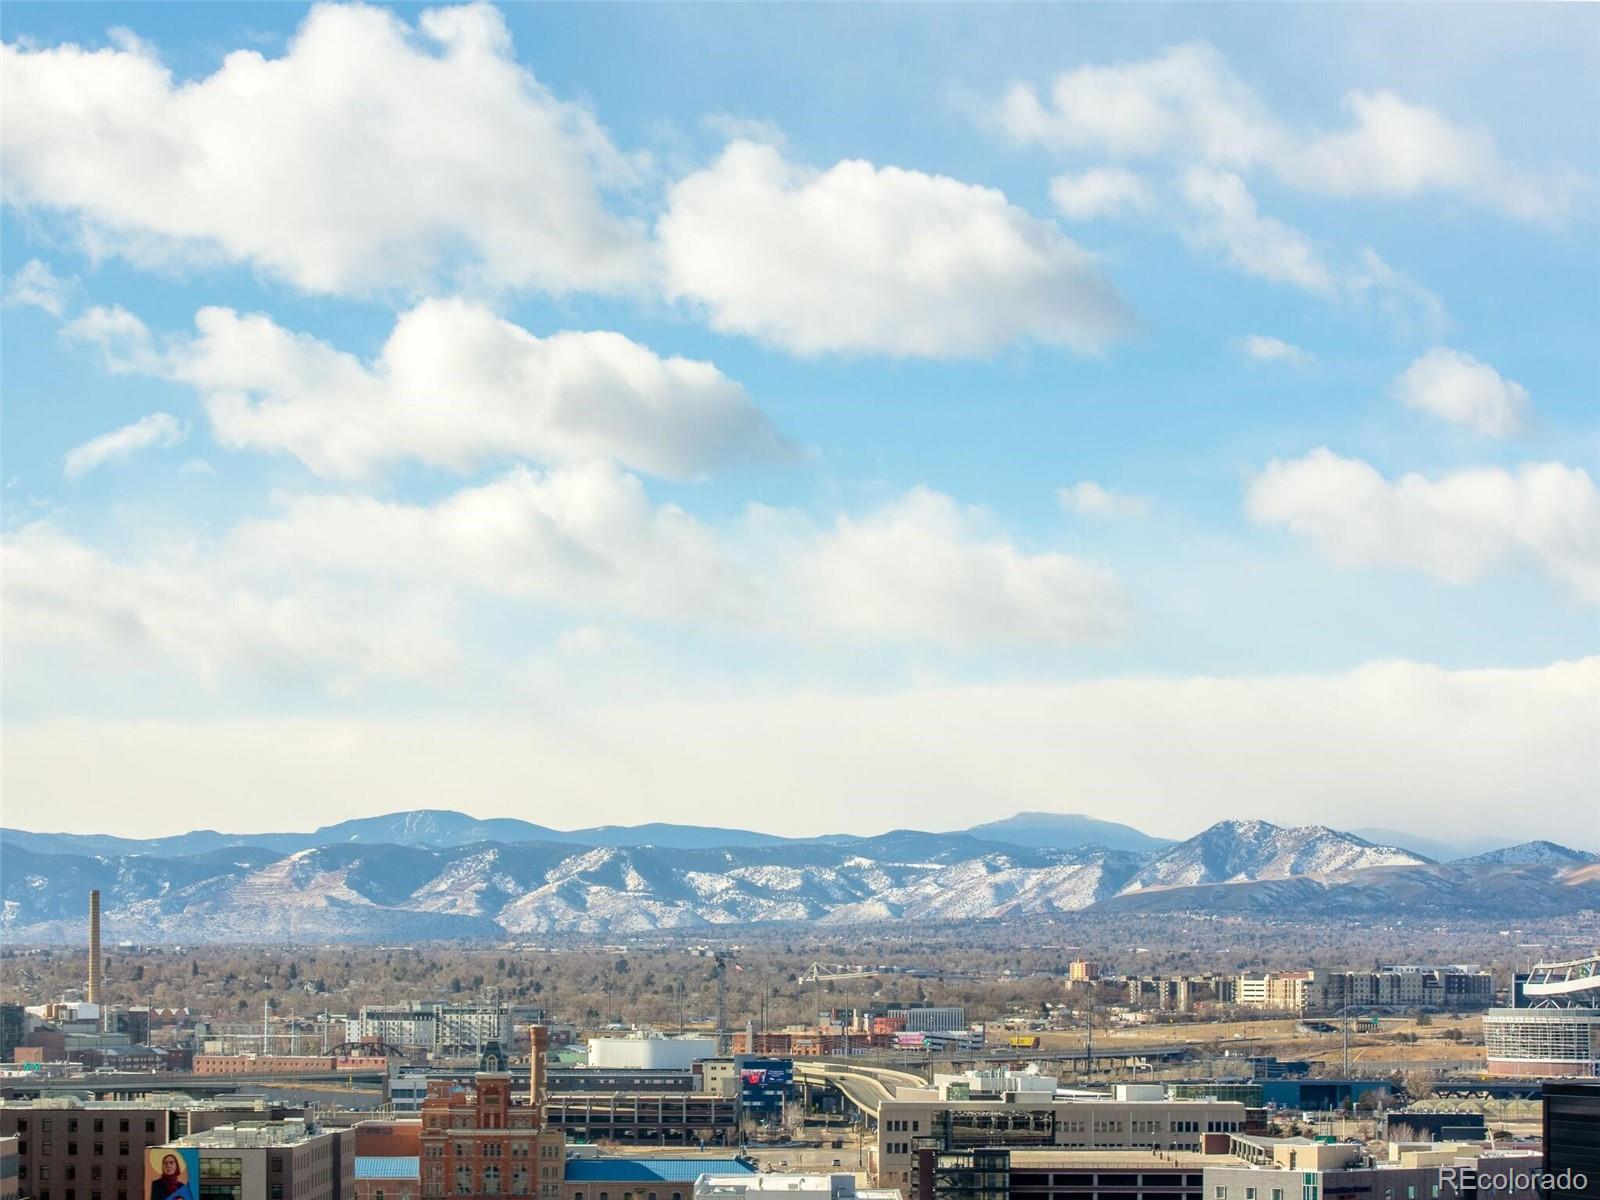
900,414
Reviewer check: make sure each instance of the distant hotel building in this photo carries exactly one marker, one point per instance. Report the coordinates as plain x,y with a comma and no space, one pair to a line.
1321,991
440,1028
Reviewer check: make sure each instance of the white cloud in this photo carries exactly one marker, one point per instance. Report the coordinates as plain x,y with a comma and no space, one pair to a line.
1227,220
1456,387
587,538
923,568
1169,755
454,386
346,588
1456,528
1089,499
1187,104
37,286
1223,219
1412,309
588,640
123,340
580,538
1264,348
1100,192
156,430
1395,148
372,155
1184,102
865,259
209,618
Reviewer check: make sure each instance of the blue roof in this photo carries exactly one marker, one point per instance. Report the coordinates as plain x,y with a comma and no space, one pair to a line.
376,1166
652,1170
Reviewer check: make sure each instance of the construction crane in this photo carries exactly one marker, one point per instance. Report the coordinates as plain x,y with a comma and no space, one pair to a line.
819,972
723,960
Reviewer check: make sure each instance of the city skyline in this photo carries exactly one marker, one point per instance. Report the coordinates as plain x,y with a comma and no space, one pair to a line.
603,415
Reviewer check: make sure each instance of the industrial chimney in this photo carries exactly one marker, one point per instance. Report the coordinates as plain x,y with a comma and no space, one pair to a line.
94,947
538,1053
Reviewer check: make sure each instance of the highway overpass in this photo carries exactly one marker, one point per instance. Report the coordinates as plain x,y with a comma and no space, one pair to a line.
864,1087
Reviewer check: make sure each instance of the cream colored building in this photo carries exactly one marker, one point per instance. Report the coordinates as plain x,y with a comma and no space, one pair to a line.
1030,1121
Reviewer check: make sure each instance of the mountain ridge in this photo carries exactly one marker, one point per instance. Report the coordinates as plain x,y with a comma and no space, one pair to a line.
357,890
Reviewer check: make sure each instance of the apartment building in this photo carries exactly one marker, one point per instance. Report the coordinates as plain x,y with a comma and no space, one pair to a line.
1321,991
1179,993
274,1160
1024,1120
69,1149
438,1027
927,1018
477,1142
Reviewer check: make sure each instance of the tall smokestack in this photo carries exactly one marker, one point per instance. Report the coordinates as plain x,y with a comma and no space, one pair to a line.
538,1053
94,947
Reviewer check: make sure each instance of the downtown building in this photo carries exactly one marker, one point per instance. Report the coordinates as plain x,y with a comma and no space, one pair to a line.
273,1160
916,1121
439,1028
1323,992
478,1142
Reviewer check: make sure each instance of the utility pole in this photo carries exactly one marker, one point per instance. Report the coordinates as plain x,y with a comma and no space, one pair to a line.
264,1045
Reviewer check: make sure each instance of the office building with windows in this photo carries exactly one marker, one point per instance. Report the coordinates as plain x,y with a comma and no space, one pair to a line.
274,1160
69,1149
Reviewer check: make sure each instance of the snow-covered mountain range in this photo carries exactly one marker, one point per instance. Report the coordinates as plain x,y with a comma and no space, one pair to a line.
426,875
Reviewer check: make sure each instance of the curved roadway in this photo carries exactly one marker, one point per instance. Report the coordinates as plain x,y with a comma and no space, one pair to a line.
865,1087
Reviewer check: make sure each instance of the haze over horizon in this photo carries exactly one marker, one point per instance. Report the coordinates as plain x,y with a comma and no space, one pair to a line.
1166,414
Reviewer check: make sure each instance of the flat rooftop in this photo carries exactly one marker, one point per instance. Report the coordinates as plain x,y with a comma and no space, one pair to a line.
247,1135
1154,1160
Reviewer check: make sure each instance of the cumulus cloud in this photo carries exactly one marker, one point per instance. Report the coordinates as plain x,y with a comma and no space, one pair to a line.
578,538
454,386
122,340
923,568
1219,215
207,617
372,155
1263,348
587,538
1167,754
1227,221
1089,499
156,430
1100,192
357,588
1457,527
1188,104
34,284
867,259
1455,387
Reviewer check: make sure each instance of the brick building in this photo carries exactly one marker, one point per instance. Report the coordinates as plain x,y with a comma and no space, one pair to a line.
76,1150
477,1142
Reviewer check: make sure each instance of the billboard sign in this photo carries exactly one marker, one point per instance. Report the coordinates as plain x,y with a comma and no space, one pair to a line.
764,1085
172,1172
